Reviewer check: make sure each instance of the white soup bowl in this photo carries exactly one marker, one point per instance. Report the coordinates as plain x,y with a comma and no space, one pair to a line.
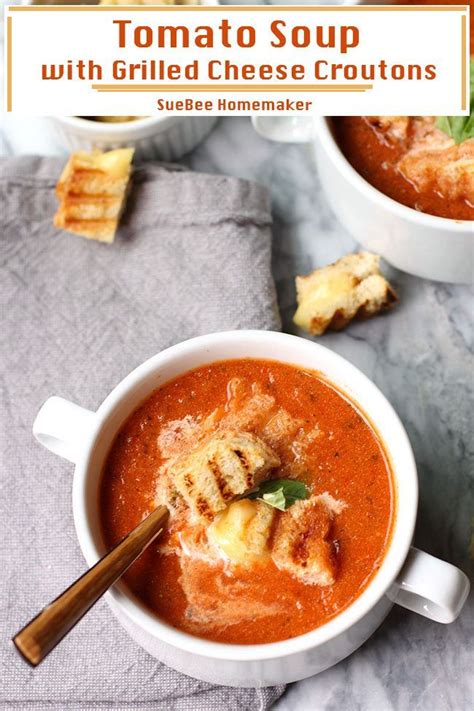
407,576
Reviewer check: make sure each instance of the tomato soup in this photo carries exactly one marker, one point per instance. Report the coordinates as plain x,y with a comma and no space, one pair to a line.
319,437
410,159
381,160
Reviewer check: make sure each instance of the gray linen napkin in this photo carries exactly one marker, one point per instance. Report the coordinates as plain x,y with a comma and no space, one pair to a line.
192,256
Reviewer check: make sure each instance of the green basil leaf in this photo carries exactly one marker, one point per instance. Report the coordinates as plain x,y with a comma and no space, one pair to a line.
275,499
460,128
280,493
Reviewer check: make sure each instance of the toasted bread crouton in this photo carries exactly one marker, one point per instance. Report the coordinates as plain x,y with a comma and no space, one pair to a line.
434,162
451,170
352,287
393,127
430,161
225,467
91,191
241,532
302,542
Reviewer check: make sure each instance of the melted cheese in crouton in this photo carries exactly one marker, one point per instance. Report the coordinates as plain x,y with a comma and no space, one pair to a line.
332,296
241,533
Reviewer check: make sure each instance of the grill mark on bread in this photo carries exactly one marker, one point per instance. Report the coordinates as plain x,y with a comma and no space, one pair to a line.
224,489
202,503
245,466
187,478
203,507
92,190
226,466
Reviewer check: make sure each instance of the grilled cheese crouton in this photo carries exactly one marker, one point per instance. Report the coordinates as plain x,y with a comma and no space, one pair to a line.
430,160
302,542
451,170
434,162
242,531
225,467
352,287
395,127
91,191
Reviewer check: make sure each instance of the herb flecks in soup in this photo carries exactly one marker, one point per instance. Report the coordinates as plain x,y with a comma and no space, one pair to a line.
283,557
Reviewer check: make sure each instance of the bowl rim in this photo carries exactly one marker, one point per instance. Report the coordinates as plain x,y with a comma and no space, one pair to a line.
97,128
325,135
395,556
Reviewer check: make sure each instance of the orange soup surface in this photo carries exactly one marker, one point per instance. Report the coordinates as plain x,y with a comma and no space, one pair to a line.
320,438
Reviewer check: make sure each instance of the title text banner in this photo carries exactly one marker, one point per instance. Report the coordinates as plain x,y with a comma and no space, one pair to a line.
273,60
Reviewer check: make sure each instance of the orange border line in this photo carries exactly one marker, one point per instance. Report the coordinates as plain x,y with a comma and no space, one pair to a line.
239,8
9,64
263,88
258,8
464,60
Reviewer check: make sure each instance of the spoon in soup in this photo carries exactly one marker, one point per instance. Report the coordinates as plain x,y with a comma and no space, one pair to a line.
41,635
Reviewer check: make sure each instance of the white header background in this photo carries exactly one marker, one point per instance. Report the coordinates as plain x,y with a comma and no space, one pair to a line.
398,37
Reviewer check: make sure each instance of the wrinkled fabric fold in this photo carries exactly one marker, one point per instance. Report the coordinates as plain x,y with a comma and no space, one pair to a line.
192,256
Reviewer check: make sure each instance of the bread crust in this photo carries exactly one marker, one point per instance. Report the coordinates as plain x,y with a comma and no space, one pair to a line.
302,543
92,191
228,465
351,288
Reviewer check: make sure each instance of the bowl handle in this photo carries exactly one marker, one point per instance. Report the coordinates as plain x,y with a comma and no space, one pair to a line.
285,129
431,587
62,427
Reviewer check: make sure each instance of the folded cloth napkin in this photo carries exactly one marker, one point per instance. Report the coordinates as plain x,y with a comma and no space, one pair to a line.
192,256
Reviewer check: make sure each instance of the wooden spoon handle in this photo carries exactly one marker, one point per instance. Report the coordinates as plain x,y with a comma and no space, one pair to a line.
48,628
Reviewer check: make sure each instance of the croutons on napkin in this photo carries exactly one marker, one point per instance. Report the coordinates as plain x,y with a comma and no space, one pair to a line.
91,192
352,287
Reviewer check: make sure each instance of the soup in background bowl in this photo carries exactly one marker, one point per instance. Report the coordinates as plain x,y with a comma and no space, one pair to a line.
415,164
414,210
412,161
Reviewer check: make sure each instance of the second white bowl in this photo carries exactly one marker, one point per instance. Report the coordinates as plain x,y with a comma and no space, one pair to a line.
428,246
165,138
